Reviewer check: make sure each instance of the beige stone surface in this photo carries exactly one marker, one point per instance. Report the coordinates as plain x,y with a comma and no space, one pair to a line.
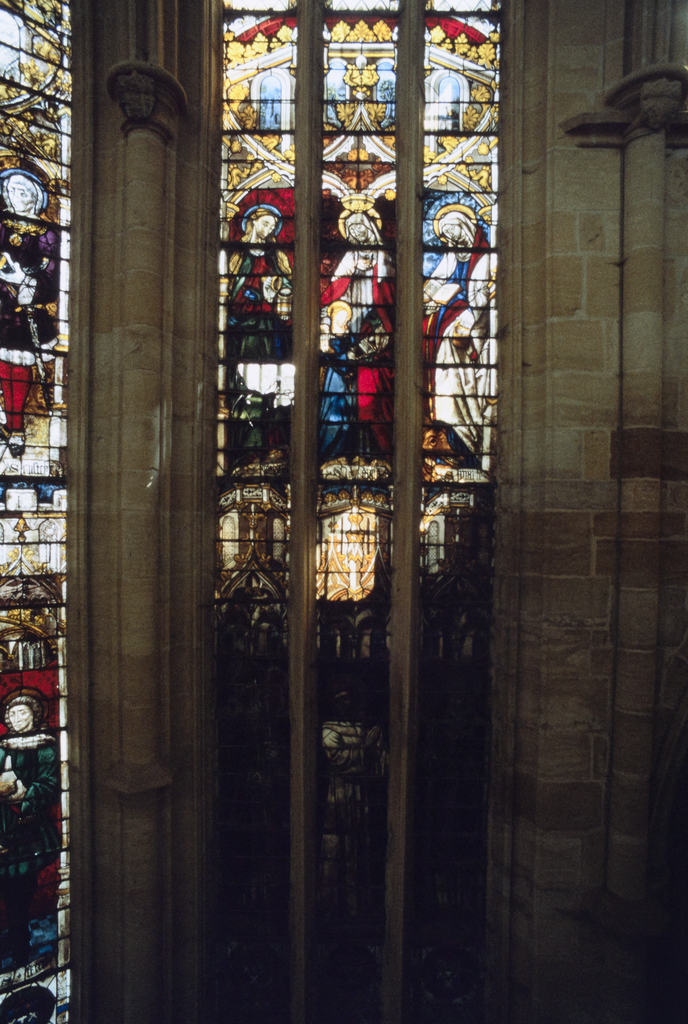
596,455
592,556
141,549
604,595
579,344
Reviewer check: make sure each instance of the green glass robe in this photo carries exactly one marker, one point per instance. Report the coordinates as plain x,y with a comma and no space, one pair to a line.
29,839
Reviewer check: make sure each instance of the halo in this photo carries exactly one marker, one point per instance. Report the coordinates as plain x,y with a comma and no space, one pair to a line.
358,202
9,172
338,304
459,208
33,1003
268,209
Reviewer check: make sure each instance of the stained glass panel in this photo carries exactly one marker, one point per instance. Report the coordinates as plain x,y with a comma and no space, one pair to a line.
460,388
362,5
259,5
465,7
34,275
358,281
256,387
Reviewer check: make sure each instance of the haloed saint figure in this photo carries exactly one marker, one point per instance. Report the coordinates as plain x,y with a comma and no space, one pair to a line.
29,250
356,408
456,301
260,296
259,328
29,788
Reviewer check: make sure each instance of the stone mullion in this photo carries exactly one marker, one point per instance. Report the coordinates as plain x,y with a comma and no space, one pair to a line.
521,557
141,772
405,617
192,528
303,524
509,520
78,654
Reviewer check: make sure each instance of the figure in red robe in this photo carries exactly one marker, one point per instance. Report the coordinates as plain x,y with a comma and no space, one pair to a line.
364,279
29,253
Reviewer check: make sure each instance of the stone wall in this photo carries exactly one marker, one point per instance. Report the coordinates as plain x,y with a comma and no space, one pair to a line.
590,696
591,595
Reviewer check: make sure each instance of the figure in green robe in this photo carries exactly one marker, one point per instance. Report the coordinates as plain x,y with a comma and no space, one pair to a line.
29,787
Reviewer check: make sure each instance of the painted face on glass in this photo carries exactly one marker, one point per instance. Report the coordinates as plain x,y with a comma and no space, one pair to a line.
20,195
344,704
361,233
436,440
20,717
263,227
457,230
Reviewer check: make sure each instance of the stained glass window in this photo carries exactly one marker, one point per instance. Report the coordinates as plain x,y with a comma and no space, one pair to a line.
357,459
34,274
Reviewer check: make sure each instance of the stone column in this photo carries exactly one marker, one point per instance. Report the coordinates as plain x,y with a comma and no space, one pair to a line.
139,774
406,622
303,530
653,97
144,288
642,113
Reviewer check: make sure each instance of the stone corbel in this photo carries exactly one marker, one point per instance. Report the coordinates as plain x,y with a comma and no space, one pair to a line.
649,100
150,97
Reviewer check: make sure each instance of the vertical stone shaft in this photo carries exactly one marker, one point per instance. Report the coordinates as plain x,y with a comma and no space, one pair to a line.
640,467
144,476
144,556
124,352
406,627
303,535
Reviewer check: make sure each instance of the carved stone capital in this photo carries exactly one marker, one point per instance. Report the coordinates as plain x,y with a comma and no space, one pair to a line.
654,95
135,95
149,96
659,102
651,99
